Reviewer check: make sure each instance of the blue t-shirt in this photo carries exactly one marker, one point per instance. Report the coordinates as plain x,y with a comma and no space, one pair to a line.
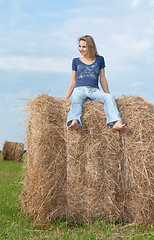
87,75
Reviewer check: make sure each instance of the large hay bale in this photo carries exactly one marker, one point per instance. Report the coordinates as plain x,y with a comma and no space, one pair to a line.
95,153
12,151
93,172
138,150
44,194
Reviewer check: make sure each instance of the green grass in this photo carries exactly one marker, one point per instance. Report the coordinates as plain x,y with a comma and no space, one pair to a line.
14,225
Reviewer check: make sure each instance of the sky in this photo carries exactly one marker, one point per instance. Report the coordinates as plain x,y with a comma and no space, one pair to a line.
38,40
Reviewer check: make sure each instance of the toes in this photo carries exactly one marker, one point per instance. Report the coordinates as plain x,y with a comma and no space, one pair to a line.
74,126
122,127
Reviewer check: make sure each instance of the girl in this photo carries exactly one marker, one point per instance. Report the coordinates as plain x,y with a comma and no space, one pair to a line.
84,85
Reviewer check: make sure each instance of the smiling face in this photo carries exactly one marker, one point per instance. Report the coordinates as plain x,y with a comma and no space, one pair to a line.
83,48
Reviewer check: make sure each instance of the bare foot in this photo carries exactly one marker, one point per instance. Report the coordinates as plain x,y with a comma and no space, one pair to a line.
74,125
119,126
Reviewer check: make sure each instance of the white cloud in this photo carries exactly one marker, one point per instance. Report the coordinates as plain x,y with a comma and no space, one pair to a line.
152,3
135,3
34,64
137,84
130,45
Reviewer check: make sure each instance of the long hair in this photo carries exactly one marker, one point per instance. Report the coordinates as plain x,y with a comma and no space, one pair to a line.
92,50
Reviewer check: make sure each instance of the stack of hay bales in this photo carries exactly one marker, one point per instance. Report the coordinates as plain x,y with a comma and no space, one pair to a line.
93,172
12,151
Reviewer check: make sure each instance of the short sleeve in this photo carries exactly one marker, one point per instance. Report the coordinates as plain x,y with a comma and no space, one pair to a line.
102,62
74,67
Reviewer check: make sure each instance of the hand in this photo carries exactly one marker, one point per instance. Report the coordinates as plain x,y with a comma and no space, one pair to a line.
66,98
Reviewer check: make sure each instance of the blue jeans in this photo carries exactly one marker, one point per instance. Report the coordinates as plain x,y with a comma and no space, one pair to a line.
81,94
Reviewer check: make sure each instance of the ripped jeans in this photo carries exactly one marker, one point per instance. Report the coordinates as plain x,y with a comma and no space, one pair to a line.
81,94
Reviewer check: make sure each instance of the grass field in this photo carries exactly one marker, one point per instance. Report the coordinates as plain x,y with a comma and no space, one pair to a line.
14,225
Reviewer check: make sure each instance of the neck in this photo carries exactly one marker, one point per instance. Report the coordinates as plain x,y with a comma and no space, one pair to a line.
88,58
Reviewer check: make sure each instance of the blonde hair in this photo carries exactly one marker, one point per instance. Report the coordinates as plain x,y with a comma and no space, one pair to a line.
92,50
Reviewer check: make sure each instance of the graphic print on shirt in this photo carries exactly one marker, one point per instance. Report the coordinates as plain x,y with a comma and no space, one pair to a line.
88,71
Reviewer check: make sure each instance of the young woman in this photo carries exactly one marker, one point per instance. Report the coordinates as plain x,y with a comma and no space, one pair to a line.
86,71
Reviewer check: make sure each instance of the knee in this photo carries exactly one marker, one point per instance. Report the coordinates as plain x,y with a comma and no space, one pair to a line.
75,100
109,97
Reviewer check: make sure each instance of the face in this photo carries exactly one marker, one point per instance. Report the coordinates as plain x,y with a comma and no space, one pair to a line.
83,48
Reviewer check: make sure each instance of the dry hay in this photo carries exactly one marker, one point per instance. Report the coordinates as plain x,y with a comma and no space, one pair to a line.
94,156
44,194
93,172
12,151
138,149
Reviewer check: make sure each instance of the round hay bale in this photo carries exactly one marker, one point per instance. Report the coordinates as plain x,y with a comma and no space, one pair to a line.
138,150
111,174
95,153
44,193
12,151
93,172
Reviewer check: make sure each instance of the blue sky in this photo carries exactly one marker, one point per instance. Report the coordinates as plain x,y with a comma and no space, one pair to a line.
38,40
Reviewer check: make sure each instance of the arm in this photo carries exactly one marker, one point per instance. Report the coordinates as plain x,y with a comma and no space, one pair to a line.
103,81
71,85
